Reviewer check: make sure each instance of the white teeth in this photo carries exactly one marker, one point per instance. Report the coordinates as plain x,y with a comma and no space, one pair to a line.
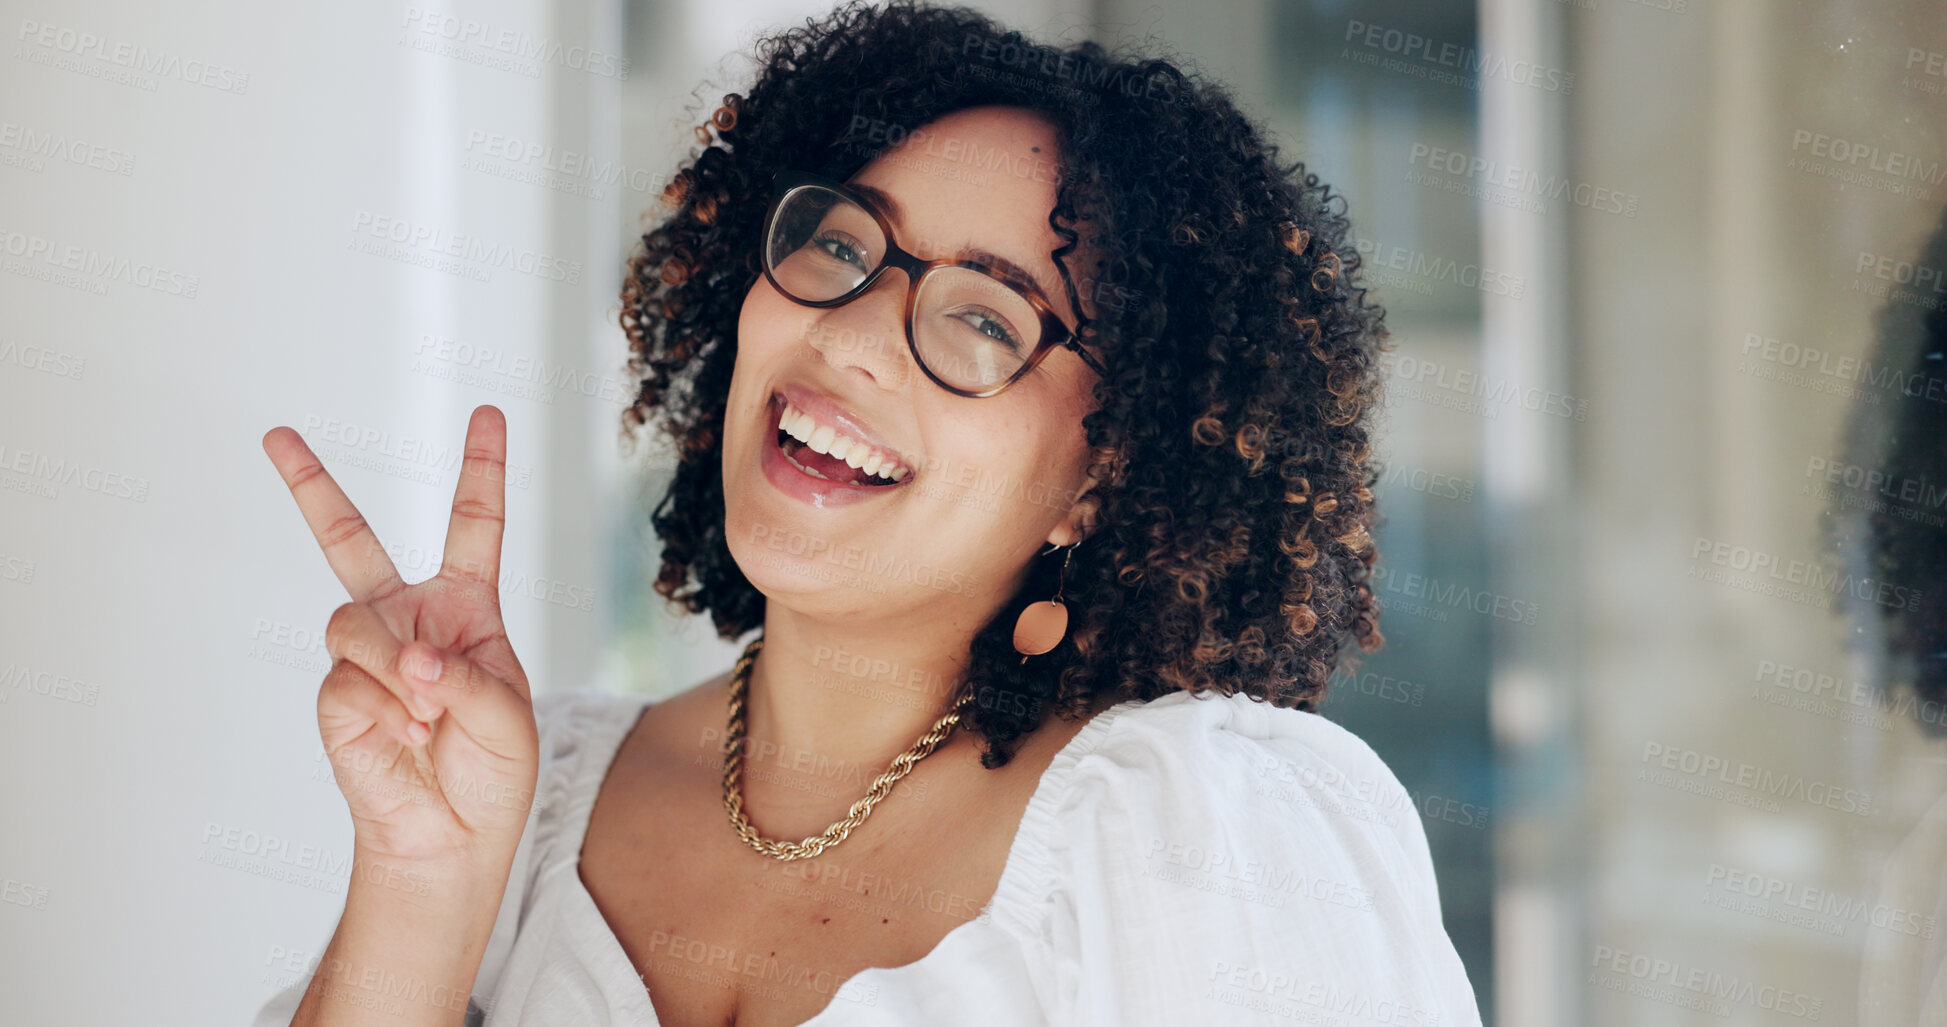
823,438
790,423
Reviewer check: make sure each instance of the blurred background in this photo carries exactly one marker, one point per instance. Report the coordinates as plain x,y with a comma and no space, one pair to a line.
1659,274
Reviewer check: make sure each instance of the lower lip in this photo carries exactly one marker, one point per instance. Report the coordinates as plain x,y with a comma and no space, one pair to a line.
792,480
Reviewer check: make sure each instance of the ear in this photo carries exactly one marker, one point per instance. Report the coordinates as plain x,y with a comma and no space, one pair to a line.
1078,522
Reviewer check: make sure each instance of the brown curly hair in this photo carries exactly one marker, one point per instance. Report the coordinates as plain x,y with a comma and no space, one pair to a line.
1233,503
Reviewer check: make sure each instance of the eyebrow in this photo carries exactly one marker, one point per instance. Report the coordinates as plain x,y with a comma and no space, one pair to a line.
898,214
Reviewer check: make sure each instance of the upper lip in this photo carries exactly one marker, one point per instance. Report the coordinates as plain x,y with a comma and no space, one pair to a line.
825,408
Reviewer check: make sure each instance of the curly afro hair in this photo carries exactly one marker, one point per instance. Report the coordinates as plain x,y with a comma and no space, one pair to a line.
1883,543
1232,509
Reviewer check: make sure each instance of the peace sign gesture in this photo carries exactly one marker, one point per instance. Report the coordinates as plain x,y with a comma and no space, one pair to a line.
440,769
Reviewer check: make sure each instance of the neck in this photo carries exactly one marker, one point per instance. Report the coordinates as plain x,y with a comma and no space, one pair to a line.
848,693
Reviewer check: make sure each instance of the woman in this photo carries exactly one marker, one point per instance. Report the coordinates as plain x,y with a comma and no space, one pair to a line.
930,299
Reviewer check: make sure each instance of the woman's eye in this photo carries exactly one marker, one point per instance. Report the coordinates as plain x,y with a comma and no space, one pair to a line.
992,327
840,247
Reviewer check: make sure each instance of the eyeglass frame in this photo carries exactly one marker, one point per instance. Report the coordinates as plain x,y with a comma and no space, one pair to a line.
1054,333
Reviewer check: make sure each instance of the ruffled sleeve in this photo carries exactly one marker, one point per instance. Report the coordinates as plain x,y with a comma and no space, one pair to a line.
1220,860
563,720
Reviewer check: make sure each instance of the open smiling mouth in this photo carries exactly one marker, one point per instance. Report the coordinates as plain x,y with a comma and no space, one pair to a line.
833,466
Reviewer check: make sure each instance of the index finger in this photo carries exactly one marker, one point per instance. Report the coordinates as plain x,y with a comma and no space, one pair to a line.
351,549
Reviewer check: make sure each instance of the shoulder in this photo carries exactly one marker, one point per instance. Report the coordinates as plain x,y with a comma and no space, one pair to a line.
1236,764
573,712
579,730
1211,854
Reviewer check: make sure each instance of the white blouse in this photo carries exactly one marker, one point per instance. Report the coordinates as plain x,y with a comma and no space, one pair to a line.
1203,859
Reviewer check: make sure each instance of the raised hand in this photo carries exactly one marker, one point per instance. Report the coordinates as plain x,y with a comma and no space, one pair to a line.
432,771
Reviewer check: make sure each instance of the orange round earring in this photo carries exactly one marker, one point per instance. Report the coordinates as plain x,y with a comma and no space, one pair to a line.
1042,625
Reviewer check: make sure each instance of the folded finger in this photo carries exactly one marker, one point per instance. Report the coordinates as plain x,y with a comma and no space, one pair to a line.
358,634
348,687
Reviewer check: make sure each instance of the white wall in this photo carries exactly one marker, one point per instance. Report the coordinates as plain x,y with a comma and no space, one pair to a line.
186,605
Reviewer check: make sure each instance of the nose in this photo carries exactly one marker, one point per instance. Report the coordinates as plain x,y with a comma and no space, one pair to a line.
869,332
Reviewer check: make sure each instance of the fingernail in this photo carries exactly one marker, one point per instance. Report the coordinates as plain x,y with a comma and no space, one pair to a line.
429,669
428,709
418,732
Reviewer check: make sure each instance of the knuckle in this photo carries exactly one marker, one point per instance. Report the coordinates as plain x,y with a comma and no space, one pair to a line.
338,627
338,684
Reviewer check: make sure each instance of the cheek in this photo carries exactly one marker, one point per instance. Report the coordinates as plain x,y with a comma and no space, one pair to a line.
1015,486
767,322
751,318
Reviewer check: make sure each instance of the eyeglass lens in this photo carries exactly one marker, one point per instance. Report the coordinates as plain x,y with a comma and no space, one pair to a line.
971,329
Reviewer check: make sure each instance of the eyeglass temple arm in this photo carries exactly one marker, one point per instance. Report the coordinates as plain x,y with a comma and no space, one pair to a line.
1082,351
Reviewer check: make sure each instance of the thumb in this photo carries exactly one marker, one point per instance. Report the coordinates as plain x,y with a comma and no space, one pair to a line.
489,710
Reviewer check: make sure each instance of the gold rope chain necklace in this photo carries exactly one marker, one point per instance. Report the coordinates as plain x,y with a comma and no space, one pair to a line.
733,772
